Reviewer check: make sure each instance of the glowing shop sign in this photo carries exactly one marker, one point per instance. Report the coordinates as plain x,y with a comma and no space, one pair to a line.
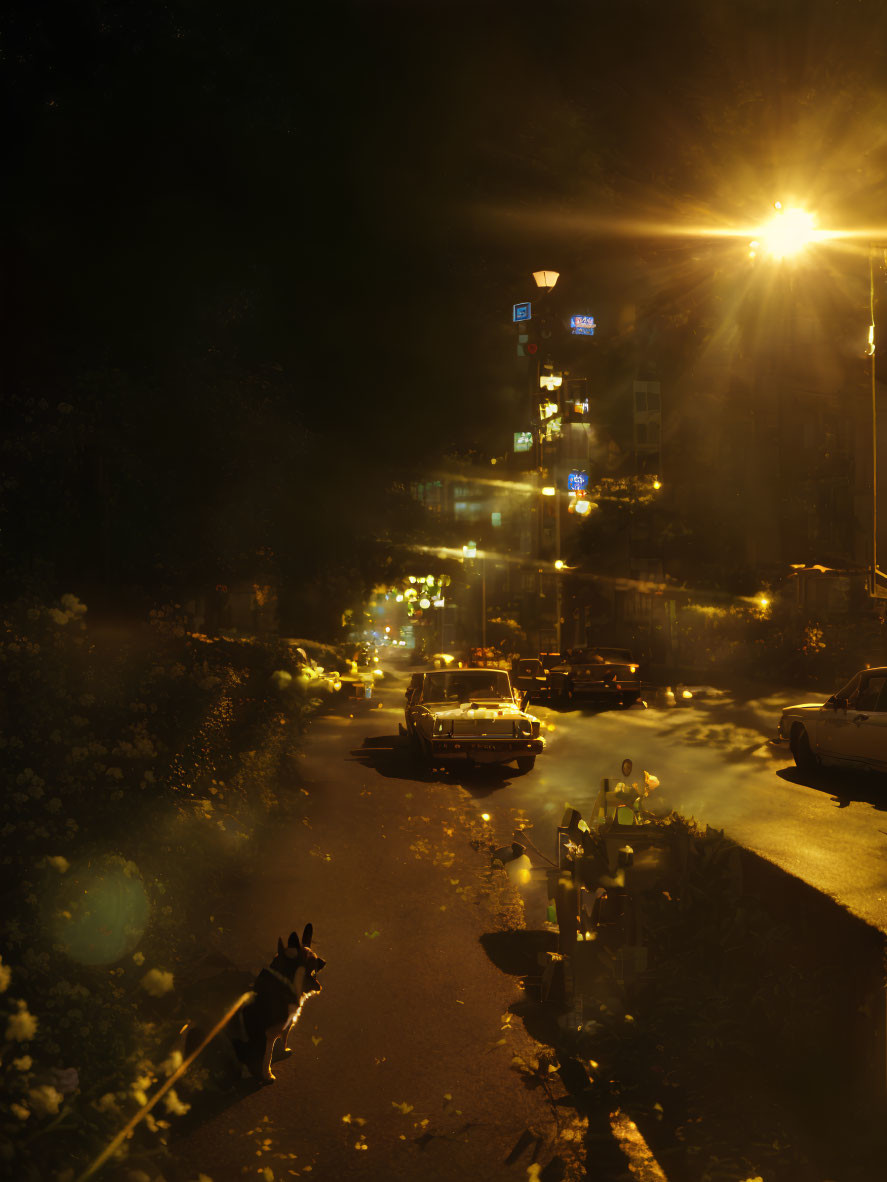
582,326
523,440
521,312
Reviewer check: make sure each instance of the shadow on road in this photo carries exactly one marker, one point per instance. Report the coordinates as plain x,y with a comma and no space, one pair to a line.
392,756
844,787
589,707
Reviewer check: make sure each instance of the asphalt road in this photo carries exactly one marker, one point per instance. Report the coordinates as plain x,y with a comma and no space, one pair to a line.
715,763
403,1065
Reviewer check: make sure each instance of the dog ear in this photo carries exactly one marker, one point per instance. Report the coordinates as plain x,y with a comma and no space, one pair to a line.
279,946
293,941
308,935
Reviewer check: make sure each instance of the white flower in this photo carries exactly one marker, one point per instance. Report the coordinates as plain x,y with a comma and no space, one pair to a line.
5,976
171,1065
21,1027
20,1111
174,1105
73,605
107,1103
138,958
157,982
23,1064
45,1100
59,863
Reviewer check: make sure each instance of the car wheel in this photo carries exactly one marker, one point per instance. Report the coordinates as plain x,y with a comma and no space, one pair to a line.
805,760
525,763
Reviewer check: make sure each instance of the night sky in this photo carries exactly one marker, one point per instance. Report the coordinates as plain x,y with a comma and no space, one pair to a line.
235,234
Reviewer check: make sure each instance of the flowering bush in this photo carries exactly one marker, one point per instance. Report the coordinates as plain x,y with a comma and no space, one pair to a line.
141,760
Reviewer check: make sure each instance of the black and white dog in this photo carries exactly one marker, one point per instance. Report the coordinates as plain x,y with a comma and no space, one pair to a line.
279,994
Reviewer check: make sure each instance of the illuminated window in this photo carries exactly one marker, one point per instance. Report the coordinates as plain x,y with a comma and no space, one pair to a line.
496,519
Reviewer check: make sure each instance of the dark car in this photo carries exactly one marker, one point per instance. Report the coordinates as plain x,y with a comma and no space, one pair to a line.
603,675
529,675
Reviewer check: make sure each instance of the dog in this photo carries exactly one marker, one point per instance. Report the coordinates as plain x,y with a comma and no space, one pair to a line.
279,992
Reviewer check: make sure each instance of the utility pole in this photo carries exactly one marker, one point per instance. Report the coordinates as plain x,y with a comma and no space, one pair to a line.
483,600
559,586
874,575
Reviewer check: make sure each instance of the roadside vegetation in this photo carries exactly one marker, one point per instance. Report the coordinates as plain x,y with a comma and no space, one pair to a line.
141,762
737,1050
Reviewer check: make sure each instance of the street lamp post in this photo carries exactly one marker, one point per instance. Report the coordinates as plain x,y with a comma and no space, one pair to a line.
787,234
471,551
873,587
559,566
483,599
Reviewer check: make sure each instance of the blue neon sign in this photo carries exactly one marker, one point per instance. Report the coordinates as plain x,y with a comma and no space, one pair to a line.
521,312
582,326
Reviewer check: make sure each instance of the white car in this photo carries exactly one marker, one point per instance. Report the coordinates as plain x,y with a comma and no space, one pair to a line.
470,716
850,729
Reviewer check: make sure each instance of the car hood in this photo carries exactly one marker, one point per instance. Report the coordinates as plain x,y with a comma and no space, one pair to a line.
456,710
804,706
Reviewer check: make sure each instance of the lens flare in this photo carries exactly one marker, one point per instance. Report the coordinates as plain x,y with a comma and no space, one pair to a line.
788,233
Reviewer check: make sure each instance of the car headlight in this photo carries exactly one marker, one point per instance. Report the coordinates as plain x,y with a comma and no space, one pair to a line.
524,726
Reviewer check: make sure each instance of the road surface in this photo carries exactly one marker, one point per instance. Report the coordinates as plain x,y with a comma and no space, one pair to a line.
715,763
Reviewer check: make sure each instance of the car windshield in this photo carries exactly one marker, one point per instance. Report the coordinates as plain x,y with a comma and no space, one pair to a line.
465,685
847,691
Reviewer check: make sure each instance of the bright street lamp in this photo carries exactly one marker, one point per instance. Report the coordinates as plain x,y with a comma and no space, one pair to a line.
546,279
788,233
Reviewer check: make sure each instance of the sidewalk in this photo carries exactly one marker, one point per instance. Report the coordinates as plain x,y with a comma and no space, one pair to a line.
403,1065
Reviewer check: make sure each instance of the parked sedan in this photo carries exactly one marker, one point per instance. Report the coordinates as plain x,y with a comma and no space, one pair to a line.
849,729
602,674
470,716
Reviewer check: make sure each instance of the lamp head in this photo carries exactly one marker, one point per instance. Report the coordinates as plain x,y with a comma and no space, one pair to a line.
546,279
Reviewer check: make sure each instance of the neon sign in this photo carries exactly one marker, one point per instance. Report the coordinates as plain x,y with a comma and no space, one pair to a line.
582,326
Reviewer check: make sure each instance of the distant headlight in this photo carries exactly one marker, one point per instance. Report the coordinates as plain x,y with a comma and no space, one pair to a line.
632,668
686,694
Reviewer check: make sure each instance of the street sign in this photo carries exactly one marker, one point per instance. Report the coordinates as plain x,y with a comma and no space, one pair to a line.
577,481
582,326
521,312
523,440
